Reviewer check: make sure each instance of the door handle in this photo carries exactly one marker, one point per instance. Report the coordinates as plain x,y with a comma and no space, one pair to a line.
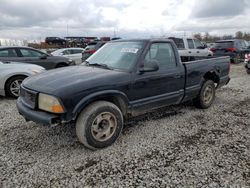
190,52
198,51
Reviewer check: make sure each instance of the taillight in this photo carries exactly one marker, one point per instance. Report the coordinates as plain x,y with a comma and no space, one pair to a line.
212,49
231,49
90,51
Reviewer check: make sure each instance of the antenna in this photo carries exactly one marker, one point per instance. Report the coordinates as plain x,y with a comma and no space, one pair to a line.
114,33
67,29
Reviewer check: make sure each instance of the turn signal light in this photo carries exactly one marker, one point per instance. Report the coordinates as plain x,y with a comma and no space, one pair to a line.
57,109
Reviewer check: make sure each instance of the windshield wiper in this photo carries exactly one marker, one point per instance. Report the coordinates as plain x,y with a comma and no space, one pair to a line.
99,65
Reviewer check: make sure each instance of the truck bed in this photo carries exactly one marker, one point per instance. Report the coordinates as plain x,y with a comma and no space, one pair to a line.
217,66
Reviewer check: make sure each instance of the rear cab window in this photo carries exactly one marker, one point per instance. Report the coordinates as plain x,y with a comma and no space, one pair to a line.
163,53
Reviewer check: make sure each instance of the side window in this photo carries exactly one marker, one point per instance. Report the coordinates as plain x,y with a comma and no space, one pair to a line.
77,51
197,43
66,52
30,53
8,53
190,43
163,53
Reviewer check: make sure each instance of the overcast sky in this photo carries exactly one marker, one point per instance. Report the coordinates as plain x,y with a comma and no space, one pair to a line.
36,19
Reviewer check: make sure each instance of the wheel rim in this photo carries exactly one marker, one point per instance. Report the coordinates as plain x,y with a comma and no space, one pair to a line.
208,94
104,126
15,87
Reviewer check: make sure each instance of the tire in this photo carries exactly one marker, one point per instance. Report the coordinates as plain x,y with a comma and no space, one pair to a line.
206,96
248,71
93,134
12,86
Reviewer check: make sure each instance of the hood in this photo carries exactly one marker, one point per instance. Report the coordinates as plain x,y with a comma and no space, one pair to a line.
20,65
75,79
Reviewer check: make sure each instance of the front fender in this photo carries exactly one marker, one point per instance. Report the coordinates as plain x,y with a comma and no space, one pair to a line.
99,96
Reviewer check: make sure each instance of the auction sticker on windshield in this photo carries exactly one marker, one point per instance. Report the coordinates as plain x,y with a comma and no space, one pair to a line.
130,50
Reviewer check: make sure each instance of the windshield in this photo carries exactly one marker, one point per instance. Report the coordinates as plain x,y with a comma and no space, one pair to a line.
226,44
117,55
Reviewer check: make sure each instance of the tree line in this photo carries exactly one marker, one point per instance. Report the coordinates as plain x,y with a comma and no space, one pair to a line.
212,38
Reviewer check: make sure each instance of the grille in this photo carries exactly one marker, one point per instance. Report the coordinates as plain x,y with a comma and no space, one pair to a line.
28,97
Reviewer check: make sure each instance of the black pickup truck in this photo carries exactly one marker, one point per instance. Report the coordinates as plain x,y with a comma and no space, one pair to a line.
122,79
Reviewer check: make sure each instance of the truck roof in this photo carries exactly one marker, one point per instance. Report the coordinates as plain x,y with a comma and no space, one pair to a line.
143,40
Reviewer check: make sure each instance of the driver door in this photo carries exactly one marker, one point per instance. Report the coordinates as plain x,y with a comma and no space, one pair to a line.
35,57
162,87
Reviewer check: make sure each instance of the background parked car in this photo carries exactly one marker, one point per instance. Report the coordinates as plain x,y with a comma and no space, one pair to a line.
235,48
91,48
55,40
191,47
33,56
72,53
12,74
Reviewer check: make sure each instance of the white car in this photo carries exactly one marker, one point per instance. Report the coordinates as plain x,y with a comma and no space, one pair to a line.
12,74
191,47
74,54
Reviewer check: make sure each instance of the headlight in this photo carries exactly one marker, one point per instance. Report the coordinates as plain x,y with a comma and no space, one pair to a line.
36,71
71,62
49,103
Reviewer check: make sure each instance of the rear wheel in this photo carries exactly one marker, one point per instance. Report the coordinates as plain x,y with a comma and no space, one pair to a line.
13,86
248,71
99,125
206,96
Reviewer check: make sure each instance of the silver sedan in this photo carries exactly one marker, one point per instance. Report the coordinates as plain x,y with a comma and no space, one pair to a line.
12,74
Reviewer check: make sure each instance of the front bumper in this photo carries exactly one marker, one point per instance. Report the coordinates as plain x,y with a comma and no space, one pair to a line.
37,116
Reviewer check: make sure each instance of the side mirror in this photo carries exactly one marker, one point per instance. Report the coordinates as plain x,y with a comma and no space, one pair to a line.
150,66
44,56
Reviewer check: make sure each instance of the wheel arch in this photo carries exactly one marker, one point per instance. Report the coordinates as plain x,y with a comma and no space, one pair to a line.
212,75
116,97
13,76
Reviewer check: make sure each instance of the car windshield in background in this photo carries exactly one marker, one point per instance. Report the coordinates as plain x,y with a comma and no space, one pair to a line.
226,44
117,55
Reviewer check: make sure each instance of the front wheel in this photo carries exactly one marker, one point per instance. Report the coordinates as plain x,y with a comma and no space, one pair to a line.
13,85
99,125
206,96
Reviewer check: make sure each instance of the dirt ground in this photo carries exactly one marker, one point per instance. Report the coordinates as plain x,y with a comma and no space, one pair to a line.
178,146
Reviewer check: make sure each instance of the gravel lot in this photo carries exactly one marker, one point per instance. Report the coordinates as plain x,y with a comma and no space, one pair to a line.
179,146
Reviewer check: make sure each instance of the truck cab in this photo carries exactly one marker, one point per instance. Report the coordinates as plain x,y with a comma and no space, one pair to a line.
191,47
